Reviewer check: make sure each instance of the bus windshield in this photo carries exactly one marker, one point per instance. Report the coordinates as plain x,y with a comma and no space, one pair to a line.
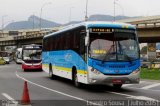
118,46
32,54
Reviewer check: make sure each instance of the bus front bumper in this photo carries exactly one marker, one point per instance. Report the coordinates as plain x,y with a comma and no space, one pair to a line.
30,66
114,79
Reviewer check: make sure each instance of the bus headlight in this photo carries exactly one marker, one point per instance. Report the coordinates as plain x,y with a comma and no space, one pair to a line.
136,71
95,71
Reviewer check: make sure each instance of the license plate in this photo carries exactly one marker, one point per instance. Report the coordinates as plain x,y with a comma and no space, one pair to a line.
117,81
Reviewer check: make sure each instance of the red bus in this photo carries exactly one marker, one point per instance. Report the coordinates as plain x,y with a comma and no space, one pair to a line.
31,57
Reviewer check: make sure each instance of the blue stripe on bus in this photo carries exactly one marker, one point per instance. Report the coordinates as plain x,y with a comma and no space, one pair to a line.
64,58
69,58
114,67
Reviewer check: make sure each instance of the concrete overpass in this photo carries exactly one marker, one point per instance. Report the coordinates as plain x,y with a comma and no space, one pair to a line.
23,37
148,30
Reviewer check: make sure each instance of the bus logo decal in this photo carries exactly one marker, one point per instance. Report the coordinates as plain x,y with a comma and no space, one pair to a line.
68,57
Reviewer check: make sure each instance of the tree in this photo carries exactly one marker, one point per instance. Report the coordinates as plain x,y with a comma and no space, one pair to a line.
144,50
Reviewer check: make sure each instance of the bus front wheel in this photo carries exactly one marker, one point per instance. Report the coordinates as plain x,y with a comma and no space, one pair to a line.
75,79
51,76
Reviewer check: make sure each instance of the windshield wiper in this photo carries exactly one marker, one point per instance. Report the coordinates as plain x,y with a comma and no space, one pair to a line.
122,52
112,46
128,58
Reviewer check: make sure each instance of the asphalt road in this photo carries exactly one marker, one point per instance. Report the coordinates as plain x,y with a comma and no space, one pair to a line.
60,92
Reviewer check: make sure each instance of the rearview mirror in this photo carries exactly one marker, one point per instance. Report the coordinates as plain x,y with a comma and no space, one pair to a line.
86,41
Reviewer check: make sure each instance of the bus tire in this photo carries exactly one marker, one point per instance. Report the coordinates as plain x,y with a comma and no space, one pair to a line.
51,76
117,86
75,79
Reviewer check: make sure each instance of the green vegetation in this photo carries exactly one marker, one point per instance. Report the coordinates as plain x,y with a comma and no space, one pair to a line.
2,61
152,74
144,50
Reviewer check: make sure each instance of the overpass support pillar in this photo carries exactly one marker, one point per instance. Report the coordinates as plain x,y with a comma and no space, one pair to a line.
2,48
19,45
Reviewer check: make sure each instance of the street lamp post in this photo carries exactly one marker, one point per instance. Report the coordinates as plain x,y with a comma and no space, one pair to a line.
121,8
8,22
86,17
3,23
33,21
40,23
70,12
115,3
114,10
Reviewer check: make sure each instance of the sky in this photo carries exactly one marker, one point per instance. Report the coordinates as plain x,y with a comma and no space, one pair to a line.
63,11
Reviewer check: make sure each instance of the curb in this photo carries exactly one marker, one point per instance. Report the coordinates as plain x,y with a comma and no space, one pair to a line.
148,80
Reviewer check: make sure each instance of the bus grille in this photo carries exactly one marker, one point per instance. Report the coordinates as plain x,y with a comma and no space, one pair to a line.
32,61
117,66
117,74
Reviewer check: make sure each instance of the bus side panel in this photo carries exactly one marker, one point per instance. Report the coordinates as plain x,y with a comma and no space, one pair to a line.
59,64
62,63
45,62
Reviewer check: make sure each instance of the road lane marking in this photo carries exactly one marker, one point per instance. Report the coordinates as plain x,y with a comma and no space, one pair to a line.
142,98
10,98
140,88
143,89
127,95
19,68
56,90
126,85
133,97
151,86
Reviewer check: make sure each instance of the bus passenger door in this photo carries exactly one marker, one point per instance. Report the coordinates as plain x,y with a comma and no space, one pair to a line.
83,59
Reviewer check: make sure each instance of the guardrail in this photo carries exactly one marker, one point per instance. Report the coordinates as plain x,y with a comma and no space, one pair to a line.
11,40
148,64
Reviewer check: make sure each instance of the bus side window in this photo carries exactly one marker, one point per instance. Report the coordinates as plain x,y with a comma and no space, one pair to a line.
49,44
75,42
53,43
67,41
61,45
56,42
82,46
46,44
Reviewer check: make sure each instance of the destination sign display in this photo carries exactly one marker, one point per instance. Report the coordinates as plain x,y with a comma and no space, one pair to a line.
109,30
101,30
32,47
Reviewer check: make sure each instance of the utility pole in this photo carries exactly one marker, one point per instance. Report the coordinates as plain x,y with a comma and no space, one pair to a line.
86,17
114,10
3,24
33,21
40,23
70,13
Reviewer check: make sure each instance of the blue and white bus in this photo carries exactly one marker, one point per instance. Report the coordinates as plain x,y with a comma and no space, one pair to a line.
93,53
18,57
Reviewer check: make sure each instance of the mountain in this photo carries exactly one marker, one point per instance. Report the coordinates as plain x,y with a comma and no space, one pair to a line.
72,22
32,22
99,17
